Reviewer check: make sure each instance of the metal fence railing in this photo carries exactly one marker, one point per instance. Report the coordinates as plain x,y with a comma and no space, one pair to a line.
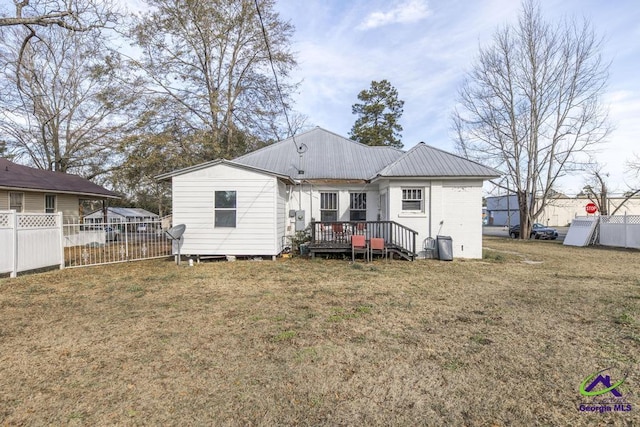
339,233
31,241
99,243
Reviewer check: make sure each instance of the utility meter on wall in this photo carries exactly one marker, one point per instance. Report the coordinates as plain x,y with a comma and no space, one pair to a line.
300,222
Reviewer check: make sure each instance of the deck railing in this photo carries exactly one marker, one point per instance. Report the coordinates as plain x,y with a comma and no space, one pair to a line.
339,233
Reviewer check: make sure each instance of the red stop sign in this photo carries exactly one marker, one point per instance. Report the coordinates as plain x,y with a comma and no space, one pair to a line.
591,208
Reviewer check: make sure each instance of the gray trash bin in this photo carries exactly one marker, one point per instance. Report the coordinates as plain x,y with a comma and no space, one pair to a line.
445,248
304,249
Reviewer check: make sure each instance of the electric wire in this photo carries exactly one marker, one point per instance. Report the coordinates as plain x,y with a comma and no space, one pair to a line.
275,76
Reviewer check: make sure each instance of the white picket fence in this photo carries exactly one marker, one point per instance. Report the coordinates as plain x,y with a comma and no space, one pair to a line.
30,241
620,231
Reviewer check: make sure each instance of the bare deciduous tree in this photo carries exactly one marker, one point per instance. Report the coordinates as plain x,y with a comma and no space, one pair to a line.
210,59
72,15
64,102
532,105
634,165
596,188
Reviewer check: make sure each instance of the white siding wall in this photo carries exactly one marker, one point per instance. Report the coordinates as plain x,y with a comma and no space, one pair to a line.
281,203
417,221
256,212
68,204
33,202
451,208
462,217
310,197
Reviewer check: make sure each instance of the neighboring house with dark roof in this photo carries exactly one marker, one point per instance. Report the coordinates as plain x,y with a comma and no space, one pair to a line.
32,190
249,206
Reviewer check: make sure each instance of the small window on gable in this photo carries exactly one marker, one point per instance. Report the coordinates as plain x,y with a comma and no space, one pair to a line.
16,202
412,200
225,209
49,203
328,207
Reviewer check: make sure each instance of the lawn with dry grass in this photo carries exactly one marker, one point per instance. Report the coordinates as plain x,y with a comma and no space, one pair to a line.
506,340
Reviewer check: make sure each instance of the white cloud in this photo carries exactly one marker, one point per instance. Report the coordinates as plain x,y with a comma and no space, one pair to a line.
409,11
426,63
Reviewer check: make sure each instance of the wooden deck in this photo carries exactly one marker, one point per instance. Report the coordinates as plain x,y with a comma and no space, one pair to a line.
335,237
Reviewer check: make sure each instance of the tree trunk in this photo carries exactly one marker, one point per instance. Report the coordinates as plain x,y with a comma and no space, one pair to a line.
525,225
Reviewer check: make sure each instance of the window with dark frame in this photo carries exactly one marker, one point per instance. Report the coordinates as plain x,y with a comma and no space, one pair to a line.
225,209
358,207
412,200
328,207
16,201
49,203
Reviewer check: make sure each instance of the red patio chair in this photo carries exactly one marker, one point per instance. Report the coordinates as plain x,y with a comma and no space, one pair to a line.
359,245
377,247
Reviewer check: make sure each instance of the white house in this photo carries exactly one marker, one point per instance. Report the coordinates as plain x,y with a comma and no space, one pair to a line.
251,205
117,215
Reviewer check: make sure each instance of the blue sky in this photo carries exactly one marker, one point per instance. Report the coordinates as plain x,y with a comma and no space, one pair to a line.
424,49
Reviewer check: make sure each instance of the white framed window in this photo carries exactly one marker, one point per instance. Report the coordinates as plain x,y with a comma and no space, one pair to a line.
358,207
225,209
49,203
412,200
328,207
16,201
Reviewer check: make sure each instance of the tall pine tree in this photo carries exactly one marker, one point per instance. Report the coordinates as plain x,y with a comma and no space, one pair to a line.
378,116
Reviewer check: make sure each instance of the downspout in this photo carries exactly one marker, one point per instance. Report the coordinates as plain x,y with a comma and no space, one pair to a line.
310,202
430,212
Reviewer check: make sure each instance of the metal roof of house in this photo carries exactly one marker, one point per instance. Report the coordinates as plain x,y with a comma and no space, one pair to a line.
219,162
424,160
325,155
123,212
19,177
322,154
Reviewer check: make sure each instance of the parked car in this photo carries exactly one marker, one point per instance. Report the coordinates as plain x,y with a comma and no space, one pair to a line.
538,231
112,234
